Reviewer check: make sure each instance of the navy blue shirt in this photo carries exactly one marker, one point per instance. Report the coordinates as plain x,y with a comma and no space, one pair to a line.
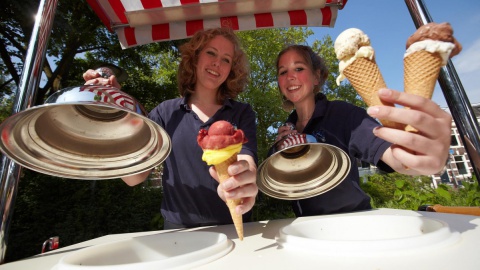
350,128
190,193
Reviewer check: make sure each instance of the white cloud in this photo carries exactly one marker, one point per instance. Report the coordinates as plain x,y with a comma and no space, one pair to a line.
469,59
467,65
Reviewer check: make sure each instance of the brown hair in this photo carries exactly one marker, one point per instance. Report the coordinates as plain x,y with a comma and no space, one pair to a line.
236,80
314,62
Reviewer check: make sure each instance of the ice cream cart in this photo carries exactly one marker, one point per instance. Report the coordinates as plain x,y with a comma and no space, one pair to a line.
142,22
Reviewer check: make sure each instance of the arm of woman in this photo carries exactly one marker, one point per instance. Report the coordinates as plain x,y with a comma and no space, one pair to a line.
415,153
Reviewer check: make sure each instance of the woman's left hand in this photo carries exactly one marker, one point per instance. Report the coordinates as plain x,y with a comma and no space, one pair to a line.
241,185
94,77
424,152
285,130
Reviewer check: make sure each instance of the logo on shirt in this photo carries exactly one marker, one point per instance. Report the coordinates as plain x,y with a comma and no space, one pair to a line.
319,136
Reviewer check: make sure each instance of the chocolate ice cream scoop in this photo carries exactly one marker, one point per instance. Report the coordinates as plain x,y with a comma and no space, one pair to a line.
436,31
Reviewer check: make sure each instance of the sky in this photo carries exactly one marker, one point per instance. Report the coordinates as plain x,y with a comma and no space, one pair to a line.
389,24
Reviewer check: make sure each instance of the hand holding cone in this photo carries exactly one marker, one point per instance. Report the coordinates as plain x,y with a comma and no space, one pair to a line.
428,49
221,145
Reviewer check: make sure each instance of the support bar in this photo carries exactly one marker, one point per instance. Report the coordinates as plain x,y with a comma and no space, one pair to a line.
455,95
25,97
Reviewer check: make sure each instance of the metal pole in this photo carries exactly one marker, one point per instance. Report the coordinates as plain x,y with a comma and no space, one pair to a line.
25,97
455,95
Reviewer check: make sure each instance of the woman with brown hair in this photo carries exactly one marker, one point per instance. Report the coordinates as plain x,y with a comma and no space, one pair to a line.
301,75
213,71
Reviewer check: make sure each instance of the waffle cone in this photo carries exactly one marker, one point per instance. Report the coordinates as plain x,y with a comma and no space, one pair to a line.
421,70
365,77
232,204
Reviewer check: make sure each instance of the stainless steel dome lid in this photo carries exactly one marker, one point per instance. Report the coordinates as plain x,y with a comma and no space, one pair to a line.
85,132
301,168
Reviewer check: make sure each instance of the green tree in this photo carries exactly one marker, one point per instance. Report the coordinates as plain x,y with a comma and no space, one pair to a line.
400,191
73,32
5,107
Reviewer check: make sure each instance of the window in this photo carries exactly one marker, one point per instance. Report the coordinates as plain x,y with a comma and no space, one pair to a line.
460,162
454,141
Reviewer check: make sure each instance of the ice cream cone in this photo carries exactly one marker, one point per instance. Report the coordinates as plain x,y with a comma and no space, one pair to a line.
223,175
365,77
421,70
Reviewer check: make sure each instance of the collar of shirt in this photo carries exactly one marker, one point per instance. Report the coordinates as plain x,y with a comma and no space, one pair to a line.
184,104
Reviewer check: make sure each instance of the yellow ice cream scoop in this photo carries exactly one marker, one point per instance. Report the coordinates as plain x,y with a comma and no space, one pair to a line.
213,157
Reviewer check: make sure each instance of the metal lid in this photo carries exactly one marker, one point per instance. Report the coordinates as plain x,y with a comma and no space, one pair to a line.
301,169
86,132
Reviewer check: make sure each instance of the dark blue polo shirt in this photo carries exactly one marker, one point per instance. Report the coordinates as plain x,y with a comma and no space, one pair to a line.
350,128
190,194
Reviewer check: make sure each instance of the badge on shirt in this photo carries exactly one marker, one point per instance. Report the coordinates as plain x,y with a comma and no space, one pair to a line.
320,136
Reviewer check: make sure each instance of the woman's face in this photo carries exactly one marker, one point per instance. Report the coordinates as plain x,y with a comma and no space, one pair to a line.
295,78
214,63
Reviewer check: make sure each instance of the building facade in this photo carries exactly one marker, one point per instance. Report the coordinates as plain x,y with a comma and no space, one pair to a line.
459,167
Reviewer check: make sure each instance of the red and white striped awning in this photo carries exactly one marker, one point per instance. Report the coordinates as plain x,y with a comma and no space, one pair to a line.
139,22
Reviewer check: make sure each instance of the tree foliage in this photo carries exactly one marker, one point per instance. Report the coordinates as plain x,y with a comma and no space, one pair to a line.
74,31
400,191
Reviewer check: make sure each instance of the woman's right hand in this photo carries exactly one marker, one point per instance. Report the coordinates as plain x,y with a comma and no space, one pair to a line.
94,77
